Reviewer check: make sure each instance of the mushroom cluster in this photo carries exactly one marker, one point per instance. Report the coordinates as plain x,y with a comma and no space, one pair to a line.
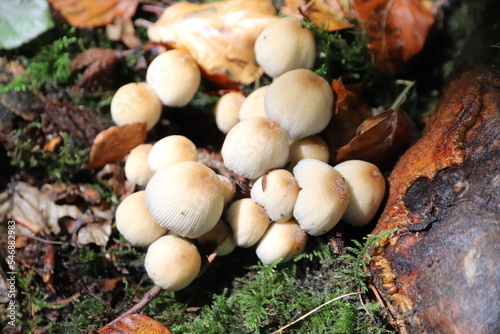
272,139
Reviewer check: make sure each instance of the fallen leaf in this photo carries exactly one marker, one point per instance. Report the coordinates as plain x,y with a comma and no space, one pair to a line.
115,143
397,30
340,92
328,15
135,324
96,233
380,139
219,35
110,284
22,20
93,13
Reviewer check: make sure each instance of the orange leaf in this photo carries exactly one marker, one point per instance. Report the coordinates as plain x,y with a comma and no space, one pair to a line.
328,15
93,13
135,324
116,142
380,139
397,30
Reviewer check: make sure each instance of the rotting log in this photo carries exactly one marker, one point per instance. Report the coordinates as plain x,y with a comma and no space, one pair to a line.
440,271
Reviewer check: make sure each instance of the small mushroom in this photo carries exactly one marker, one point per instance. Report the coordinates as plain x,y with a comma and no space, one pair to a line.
253,105
185,197
248,220
301,102
282,240
221,237
135,223
136,102
323,198
228,188
366,187
277,192
171,149
172,262
285,45
255,145
312,147
136,166
175,77
227,109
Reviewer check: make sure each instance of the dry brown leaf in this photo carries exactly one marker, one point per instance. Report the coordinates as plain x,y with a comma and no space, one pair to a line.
380,139
97,233
115,143
397,30
93,13
135,324
328,14
220,35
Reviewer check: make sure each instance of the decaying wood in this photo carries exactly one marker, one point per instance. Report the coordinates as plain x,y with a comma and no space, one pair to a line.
440,272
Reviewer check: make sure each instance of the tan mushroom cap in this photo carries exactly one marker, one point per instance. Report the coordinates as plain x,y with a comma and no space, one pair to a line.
277,192
255,145
185,197
312,147
366,187
171,149
135,223
221,237
227,109
228,188
253,105
136,166
136,102
248,220
172,262
323,198
282,240
285,45
175,77
301,102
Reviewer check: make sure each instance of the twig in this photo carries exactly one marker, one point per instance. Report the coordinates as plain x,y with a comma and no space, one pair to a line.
314,310
66,300
148,296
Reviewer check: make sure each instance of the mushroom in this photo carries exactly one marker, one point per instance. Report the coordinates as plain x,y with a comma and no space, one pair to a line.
227,109
312,147
248,220
171,149
135,223
228,188
221,237
185,197
136,102
255,145
282,240
277,192
175,77
172,262
285,45
323,198
301,102
253,105
136,166
366,187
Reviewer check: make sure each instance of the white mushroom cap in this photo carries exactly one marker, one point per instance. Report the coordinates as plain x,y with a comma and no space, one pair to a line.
172,262
171,149
136,166
323,199
136,102
135,223
186,198
227,109
253,105
248,220
301,102
285,45
255,145
277,192
312,147
282,240
221,236
228,188
175,77
366,187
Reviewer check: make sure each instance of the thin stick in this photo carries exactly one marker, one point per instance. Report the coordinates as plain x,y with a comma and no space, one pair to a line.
66,300
314,310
